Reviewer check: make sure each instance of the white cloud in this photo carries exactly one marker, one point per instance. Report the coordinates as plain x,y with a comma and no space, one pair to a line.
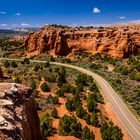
25,24
18,14
3,13
122,17
3,25
96,10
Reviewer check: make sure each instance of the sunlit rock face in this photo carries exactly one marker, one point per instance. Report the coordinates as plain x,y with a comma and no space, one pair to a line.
114,41
18,116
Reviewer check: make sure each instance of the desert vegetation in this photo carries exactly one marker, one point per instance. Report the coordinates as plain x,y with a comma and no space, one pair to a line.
69,103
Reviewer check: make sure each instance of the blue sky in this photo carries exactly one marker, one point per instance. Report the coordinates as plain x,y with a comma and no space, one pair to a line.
68,12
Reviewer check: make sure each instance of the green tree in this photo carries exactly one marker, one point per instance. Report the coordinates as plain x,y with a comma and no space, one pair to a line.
87,119
110,132
47,64
36,68
33,85
86,133
62,76
44,87
26,61
6,64
54,113
60,93
46,127
91,105
80,112
69,105
17,80
94,120
69,126
13,64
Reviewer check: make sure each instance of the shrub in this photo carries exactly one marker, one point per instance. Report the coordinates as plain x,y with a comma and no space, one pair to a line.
69,105
94,120
60,93
62,76
93,87
87,135
135,76
17,80
33,84
6,64
91,105
54,113
68,88
69,126
111,132
44,87
13,64
46,126
36,68
26,61
80,112
47,64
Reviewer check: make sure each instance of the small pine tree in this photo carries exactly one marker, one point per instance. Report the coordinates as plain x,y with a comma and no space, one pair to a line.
13,64
6,64
44,87
80,112
54,113
87,119
33,85
69,105
26,61
86,133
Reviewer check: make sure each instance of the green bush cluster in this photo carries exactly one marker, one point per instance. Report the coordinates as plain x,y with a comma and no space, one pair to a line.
110,132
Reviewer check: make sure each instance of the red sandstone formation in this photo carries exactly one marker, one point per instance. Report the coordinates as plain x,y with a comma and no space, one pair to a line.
114,41
18,116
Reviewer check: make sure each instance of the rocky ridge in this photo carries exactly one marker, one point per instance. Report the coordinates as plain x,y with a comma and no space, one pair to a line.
18,116
119,41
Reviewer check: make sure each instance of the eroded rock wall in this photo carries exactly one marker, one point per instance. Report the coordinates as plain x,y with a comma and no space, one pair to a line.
18,116
117,42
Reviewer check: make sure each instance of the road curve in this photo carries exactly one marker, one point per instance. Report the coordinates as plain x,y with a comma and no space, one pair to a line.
127,119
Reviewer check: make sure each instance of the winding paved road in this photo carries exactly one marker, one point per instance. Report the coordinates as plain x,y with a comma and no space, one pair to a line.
128,120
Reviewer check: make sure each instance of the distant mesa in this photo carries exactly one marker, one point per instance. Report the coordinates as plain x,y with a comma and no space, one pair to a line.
116,41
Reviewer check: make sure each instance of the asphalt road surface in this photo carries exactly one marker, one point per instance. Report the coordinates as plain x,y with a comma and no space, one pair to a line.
125,116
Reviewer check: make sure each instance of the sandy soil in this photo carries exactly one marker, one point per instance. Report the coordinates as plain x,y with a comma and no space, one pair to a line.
110,67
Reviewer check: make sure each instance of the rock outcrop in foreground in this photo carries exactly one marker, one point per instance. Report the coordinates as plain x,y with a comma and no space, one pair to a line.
114,41
18,116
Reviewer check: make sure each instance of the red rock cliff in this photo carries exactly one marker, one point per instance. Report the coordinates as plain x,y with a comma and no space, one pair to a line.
117,42
18,116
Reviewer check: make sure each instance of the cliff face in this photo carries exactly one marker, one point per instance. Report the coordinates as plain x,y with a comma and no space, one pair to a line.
117,42
18,116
